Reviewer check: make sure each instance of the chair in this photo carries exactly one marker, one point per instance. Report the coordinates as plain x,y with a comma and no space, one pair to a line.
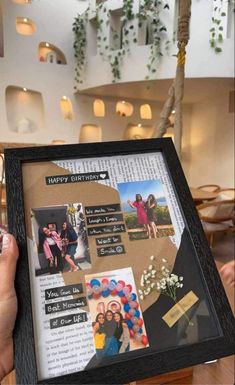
217,217
209,187
227,193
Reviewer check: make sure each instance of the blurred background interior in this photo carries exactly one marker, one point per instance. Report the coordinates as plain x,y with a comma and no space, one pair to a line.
79,71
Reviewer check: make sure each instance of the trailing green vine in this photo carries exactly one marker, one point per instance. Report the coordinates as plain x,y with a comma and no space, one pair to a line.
217,29
80,43
150,16
150,11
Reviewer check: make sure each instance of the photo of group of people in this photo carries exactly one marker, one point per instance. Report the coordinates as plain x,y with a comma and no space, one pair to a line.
145,209
111,334
117,320
60,239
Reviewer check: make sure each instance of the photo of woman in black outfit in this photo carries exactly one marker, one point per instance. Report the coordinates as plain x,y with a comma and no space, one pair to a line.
150,207
69,243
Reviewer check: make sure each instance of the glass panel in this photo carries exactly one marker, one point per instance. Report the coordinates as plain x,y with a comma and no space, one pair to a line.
114,274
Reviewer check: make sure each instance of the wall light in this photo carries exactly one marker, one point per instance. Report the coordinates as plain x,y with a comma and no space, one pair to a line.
25,20
25,89
58,141
47,45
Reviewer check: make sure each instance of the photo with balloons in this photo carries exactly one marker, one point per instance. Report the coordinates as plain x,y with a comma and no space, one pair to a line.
117,320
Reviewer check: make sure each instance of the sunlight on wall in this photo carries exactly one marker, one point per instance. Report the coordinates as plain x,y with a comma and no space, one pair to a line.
138,131
57,141
145,111
22,1
90,133
66,108
99,108
49,53
25,26
124,108
25,110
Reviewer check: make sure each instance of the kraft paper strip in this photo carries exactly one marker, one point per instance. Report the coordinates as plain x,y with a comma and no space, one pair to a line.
180,308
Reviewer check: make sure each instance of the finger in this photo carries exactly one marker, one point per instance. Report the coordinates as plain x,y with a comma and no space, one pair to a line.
8,261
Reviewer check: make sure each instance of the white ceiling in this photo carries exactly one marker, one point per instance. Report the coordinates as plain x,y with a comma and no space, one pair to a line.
196,90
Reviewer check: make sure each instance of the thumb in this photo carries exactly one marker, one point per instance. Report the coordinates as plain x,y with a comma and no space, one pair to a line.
8,260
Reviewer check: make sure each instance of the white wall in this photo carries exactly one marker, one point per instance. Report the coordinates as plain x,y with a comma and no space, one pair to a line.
202,61
207,134
208,147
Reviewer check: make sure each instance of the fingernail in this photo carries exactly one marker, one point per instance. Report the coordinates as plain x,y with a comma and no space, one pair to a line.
6,241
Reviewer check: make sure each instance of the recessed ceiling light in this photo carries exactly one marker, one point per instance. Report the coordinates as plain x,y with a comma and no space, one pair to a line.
25,20
25,89
47,45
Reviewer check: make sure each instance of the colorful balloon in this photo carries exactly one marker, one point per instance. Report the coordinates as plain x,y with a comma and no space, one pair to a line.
105,293
120,293
144,340
126,290
134,320
95,282
134,296
132,333
119,287
112,285
127,316
137,313
123,300
138,337
136,328
96,296
140,322
129,324
132,311
133,304
130,287
96,289
126,307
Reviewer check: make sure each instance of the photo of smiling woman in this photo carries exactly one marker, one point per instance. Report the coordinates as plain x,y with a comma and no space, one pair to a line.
121,334
51,244
99,335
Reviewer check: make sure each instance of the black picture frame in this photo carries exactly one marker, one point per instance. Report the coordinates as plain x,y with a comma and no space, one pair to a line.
139,366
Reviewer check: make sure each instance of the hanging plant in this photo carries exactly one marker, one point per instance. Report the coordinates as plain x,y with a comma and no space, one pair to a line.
80,42
217,29
150,11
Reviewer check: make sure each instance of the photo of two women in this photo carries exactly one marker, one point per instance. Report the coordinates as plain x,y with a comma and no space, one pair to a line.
145,210
60,235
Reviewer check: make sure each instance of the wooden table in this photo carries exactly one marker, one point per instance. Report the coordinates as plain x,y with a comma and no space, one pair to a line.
202,195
